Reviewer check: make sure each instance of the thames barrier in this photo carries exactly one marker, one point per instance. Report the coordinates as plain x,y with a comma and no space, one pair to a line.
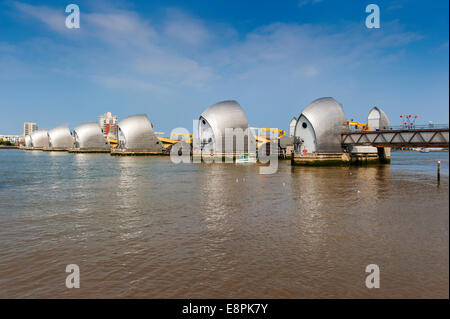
234,158
320,135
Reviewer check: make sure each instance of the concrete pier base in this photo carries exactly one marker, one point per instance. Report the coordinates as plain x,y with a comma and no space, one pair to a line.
122,152
88,150
31,148
361,155
55,149
321,159
360,159
289,152
341,159
384,153
211,157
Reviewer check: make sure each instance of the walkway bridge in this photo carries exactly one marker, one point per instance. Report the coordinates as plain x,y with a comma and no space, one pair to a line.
426,136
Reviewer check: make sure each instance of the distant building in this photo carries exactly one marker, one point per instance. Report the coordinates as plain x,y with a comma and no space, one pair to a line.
108,123
29,127
15,139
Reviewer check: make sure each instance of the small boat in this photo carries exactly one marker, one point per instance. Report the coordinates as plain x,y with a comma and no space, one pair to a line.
425,150
245,159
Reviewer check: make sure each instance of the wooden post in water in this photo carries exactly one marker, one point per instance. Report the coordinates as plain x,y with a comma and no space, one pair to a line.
439,171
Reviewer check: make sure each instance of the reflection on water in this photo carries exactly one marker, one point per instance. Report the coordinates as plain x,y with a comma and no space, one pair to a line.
144,227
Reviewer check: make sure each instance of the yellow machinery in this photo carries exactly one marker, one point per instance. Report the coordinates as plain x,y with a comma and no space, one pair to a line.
189,140
262,138
359,126
280,133
113,142
167,142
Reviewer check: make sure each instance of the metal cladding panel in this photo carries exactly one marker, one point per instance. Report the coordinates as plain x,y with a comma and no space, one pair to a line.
39,138
60,137
223,115
378,120
328,121
292,125
28,141
90,135
137,134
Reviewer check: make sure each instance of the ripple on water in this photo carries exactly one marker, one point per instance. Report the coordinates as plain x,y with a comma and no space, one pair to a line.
144,227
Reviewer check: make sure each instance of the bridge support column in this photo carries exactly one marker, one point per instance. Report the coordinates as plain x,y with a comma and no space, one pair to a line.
384,154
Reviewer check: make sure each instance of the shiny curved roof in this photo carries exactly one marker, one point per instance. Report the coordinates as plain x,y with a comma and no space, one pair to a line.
226,114
60,137
90,135
223,115
28,141
138,133
292,125
39,138
328,121
384,123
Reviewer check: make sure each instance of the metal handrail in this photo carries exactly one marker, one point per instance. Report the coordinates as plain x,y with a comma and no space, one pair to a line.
407,127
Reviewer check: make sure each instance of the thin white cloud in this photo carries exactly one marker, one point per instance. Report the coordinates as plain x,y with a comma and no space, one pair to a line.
121,82
281,49
306,71
188,30
125,50
394,7
131,43
121,29
303,3
7,47
54,19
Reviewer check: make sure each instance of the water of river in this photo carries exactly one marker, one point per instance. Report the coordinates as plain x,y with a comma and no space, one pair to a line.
146,228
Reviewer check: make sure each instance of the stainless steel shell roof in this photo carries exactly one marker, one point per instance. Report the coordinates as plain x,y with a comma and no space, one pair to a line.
377,119
39,138
328,121
138,134
28,141
90,135
292,125
60,137
226,114
223,115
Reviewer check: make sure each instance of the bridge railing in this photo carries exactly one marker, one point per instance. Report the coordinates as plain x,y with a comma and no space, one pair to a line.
419,127
409,128
418,137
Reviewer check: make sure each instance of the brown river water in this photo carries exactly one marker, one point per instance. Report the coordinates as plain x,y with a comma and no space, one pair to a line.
143,227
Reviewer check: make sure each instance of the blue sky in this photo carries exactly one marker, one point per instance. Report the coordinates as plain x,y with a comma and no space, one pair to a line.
172,59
